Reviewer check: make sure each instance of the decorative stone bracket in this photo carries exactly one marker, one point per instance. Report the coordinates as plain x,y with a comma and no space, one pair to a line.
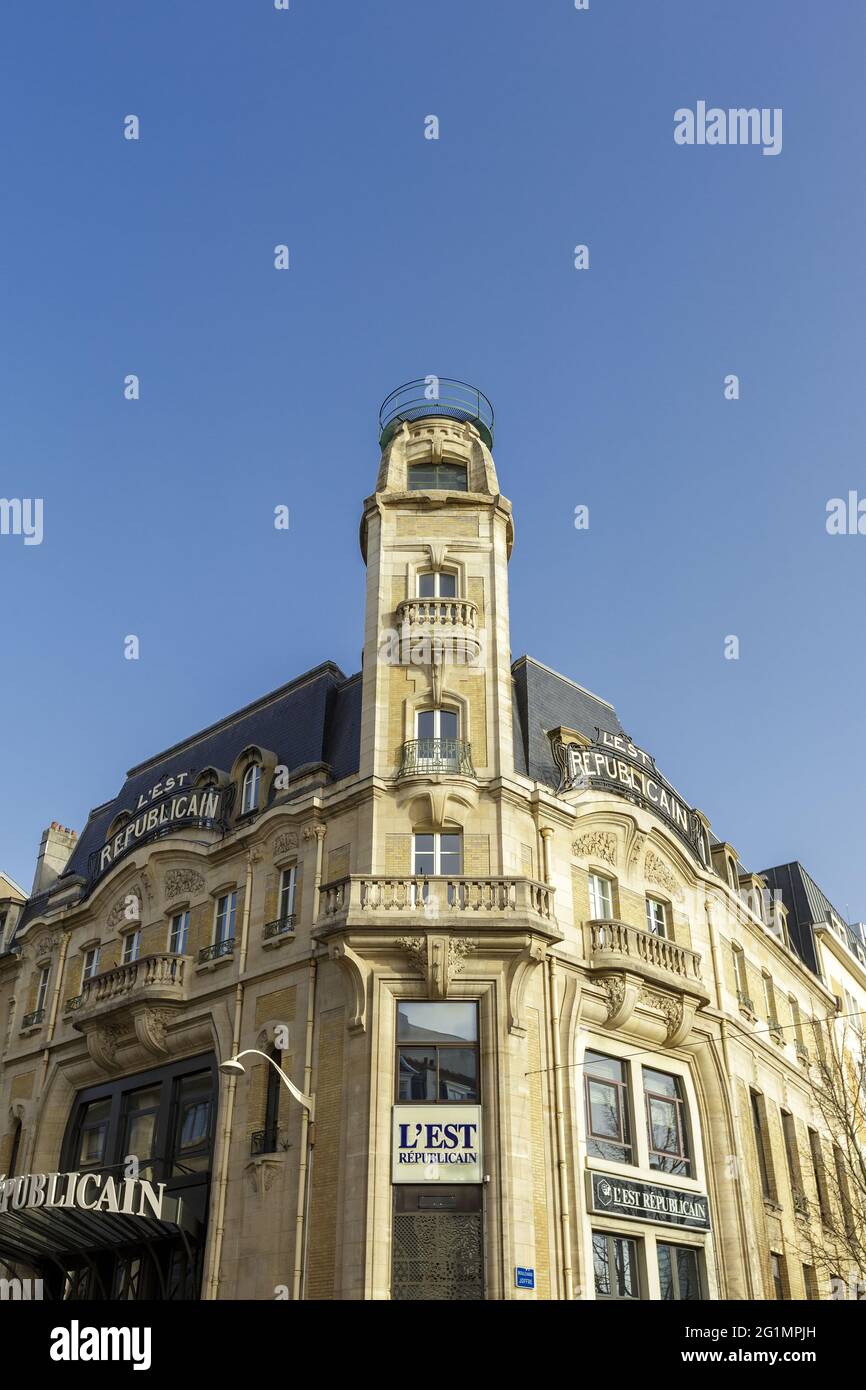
438,958
625,992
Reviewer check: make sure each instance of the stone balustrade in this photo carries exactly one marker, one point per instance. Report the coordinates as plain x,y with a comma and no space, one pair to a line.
159,976
611,945
365,897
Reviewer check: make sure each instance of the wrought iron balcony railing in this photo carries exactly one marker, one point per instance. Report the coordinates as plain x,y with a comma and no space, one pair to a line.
454,400
423,756
283,926
219,948
265,1141
33,1019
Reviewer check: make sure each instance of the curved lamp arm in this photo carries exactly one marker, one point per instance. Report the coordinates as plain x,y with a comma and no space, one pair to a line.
233,1065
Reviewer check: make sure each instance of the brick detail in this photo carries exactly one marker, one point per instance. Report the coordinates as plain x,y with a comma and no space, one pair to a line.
476,855
338,863
326,1167
398,854
418,527
22,1086
279,1004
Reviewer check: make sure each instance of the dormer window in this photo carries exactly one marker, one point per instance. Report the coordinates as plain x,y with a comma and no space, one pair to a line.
250,792
438,477
437,584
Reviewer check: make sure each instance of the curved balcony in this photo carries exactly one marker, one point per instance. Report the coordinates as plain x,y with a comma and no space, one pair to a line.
444,629
150,977
433,757
611,945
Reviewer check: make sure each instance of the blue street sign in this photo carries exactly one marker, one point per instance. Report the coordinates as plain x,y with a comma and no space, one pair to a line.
524,1278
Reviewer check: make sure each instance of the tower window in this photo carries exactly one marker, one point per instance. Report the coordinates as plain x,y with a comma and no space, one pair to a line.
438,854
437,584
442,477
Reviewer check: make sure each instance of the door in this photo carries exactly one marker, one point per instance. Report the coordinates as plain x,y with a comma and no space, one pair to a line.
437,1245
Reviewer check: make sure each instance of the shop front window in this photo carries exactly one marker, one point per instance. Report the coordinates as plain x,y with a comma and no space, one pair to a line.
608,1133
666,1127
437,1051
615,1265
679,1272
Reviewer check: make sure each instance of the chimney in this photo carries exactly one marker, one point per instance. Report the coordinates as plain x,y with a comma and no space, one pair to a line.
57,845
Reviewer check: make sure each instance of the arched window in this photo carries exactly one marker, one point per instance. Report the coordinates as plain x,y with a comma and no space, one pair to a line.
251,785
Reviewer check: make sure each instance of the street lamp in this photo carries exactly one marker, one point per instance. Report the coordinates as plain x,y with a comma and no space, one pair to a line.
232,1067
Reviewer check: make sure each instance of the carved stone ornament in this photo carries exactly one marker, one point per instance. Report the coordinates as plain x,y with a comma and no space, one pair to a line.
598,844
102,1044
657,871
260,1173
285,842
312,832
678,1012
635,849
182,883
150,1029
438,958
614,988
416,949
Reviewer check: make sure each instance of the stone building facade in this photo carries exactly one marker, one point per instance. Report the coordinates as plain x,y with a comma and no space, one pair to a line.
557,1041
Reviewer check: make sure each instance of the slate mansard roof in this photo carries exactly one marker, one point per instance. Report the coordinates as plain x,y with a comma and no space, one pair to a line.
311,721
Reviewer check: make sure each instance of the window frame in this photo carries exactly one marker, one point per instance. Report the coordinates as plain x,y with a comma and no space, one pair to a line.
90,971
680,1104
252,778
464,1045
437,853
183,935
130,950
611,1239
42,989
594,878
230,915
443,481
624,1116
760,1133
651,925
697,1252
283,915
437,575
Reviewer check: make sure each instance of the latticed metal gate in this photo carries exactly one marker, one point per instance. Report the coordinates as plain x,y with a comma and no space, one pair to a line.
437,1254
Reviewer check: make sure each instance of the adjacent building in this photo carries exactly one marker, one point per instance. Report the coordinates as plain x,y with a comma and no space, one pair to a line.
551,1039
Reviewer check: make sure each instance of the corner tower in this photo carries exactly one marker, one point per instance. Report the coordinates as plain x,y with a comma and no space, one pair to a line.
436,536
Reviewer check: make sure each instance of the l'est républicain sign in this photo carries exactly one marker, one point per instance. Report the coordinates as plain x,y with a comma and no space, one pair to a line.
436,1142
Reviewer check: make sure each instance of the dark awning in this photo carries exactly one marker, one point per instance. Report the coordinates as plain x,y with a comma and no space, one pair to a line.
56,1233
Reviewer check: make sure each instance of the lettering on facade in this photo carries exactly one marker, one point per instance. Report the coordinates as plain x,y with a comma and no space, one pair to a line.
155,811
430,1141
643,1201
617,763
83,1192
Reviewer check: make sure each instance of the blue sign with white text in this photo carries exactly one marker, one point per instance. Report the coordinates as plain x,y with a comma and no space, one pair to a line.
524,1278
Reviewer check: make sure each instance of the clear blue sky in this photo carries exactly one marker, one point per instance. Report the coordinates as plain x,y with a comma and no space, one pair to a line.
409,256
